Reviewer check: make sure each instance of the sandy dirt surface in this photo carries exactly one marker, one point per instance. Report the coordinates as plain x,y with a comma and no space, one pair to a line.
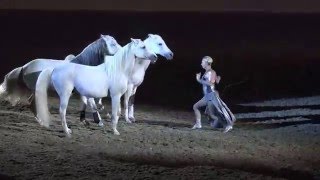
277,139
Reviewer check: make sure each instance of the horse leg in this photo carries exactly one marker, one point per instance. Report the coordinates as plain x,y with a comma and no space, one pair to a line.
100,105
127,96
115,107
83,110
131,104
32,102
119,110
95,112
64,100
33,107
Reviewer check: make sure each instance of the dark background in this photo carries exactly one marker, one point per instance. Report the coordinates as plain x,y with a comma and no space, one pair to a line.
265,55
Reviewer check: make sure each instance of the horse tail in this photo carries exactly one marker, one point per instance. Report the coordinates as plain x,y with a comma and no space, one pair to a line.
41,97
10,89
3,88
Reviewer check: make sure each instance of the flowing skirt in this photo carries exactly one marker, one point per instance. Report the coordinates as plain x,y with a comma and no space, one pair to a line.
220,109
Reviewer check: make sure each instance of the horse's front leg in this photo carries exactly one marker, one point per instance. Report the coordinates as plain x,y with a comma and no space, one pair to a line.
115,107
131,104
127,96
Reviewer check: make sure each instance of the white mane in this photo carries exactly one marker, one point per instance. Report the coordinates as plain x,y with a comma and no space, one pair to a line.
118,62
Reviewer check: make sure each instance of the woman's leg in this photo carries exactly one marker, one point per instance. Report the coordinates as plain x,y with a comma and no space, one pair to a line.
202,102
224,117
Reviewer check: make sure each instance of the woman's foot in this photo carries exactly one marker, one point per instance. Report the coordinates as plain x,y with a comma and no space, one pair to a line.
197,126
228,128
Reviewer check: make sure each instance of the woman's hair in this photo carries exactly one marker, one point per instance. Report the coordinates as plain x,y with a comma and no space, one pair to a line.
208,59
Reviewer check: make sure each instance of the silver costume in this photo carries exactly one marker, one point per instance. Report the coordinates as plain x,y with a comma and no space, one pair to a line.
216,105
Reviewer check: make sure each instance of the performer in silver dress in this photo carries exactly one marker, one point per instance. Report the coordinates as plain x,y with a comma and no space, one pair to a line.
211,99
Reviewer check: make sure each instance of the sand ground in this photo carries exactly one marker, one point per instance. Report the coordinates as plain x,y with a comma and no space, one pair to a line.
277,139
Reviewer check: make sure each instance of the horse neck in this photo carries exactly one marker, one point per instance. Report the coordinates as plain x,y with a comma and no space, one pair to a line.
121,62
90,55
142,63
127,59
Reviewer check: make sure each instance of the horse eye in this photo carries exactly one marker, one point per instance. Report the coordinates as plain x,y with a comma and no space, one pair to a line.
143,47
160,44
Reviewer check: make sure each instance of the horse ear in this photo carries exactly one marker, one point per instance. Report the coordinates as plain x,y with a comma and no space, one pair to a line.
101,35
150,35
136,41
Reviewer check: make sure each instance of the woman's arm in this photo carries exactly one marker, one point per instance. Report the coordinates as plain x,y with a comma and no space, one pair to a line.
218,79
211,80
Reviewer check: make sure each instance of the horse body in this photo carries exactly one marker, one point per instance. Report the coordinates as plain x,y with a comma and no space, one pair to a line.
158,46
32,70
20,82
117,70
155,43
80,77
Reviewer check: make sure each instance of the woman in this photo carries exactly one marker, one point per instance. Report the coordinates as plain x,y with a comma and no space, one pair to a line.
211,98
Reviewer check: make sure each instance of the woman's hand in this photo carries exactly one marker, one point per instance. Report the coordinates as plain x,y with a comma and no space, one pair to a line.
198,76
218,79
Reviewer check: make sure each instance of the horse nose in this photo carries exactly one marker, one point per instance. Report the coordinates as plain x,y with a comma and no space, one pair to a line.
171,54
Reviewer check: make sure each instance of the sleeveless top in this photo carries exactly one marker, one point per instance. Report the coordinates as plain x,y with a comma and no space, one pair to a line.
206,88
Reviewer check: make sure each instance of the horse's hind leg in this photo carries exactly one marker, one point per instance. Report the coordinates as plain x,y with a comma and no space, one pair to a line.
33,107
32,102
100,106
64,100
83,110
95,112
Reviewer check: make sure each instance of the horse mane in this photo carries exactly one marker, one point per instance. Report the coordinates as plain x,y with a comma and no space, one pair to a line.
117,62
93,54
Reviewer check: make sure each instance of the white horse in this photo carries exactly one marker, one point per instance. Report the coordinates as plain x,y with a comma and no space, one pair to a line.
20,82
158,46
90,81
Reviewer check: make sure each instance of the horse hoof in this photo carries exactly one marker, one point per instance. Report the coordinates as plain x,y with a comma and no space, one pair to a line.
128,121
132,119
42,123
101,124
100,108
85,123
108,116
45,125
115,132
37,119
69,131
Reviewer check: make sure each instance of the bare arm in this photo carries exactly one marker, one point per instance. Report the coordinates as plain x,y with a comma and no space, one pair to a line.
209,82
218,79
